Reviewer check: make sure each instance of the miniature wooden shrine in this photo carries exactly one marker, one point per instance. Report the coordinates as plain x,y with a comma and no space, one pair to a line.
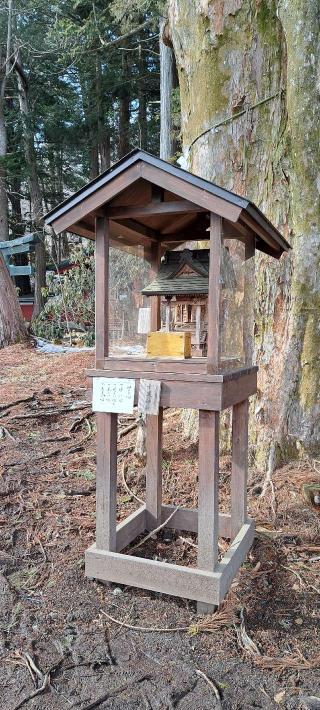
144,202
182,284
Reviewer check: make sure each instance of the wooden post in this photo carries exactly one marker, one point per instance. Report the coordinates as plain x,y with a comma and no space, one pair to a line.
239,466
155,321
208,498
102,288
213,355
248,302
106,477
106,481
154,470
198,325
168,317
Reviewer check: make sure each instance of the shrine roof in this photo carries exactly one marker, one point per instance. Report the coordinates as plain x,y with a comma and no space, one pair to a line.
148,199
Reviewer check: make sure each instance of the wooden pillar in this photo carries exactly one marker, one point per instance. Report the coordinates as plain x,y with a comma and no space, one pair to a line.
213,354
248,302
106,478
155,320
106,483
167,317
198,325
154,470
102,288
208,498
239,466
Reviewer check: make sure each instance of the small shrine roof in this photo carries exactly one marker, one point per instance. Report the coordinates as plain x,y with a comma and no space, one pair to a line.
170,281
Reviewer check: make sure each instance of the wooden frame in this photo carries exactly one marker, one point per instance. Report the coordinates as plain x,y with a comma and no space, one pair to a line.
209,583
143,201
195,384
207,587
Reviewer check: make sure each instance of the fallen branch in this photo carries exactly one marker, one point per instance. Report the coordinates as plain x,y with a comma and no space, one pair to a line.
209,624
128,428
55,452
244,639
79,421
297,662
5,432
49,412
144,628
116,691
211,684
3,407
76,447
129,491
43,687
35,673
153,532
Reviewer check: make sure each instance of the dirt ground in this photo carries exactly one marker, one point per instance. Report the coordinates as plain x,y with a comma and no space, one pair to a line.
57,648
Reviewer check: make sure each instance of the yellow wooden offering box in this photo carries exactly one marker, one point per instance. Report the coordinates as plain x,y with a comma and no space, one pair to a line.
165,344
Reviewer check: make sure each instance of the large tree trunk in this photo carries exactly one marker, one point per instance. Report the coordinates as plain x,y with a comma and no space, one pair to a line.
124,108
167,83
12,328
4,222
249,121
34,189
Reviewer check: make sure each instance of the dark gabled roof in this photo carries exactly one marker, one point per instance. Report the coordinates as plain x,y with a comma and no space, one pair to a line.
169,283
273,242
133,157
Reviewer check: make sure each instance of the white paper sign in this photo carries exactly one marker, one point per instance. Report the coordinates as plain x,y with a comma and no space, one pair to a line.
113,394
144,320
149,396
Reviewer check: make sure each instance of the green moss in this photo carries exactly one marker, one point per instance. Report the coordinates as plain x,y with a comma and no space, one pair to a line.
204,87
266,17
310,372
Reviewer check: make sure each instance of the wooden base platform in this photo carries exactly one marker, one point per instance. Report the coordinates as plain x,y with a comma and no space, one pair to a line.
176,580
209,393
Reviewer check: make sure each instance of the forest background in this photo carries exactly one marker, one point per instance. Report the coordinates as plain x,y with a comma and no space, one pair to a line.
80,86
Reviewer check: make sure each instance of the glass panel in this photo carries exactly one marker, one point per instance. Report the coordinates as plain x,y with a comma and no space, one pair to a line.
232,303
128,274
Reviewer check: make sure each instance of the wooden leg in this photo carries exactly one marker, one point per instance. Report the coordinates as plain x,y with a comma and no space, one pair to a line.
154,470
208,505
106,485
239,466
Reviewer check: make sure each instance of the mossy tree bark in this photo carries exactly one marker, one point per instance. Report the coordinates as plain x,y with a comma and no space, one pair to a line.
250,71
12,327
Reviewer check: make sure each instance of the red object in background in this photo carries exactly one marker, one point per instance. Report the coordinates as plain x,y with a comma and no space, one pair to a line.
65,267
27,311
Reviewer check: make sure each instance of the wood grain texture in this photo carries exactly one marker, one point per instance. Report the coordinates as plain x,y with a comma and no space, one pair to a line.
131,527
153,208
165,344
106,481
154,470
102,287
197,393
191,192
153,575
213,351
180,368
97,199
237,390
187,519
239,474
234,557
208,499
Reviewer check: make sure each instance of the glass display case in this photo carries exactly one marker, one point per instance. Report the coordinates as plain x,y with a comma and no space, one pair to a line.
174,328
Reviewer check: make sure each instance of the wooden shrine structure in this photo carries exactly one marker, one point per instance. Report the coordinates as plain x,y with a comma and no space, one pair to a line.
145,202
